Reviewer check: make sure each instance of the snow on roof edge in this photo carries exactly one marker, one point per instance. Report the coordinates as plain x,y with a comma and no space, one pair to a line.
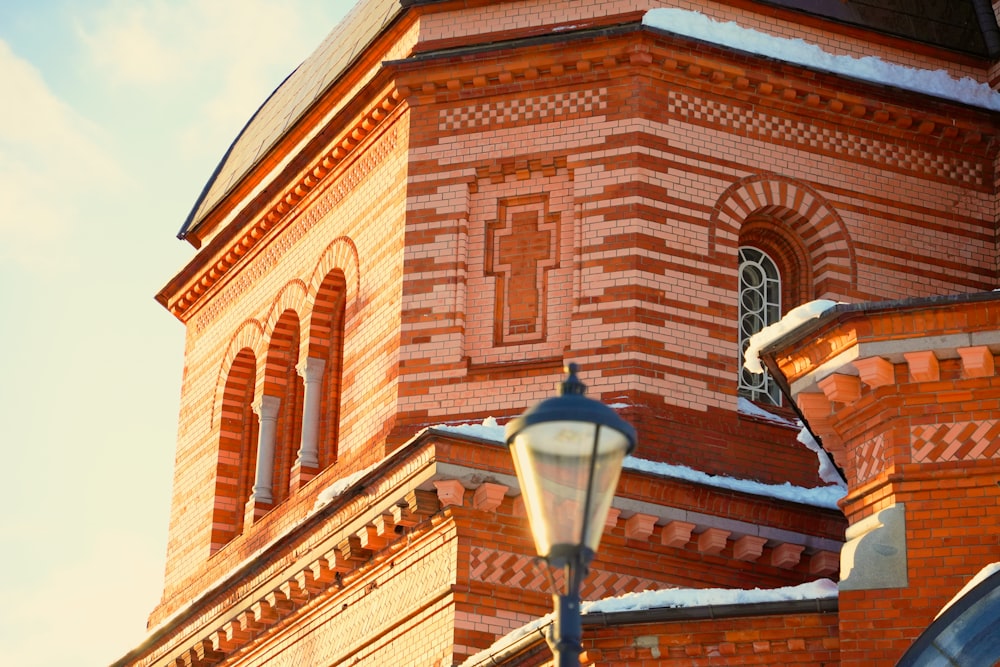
793,319
823,496
937,83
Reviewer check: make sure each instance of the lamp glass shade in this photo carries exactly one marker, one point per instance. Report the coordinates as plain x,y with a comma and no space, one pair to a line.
557,463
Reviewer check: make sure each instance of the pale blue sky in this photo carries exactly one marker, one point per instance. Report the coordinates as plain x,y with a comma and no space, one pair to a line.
114,114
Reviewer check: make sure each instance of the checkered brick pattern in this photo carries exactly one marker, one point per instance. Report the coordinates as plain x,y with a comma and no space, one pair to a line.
958,441
869,458
531,109
504,568
813,137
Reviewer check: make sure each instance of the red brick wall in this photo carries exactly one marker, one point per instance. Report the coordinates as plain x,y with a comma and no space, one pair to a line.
665,150
398,612
631,162
501,585
918,433
951,528
286,277
799,639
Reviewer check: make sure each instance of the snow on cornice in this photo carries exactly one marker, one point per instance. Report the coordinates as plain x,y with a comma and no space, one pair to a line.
937,83
791,321
827,470
750,409
703,597
824,496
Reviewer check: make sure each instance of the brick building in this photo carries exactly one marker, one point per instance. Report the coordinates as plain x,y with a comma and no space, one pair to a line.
450,200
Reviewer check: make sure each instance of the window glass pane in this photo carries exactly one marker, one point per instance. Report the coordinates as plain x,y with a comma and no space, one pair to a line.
760,306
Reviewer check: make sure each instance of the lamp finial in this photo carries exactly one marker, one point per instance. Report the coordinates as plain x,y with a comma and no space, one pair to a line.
572,384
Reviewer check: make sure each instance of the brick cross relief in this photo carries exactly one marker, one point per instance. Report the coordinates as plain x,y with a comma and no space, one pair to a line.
520,252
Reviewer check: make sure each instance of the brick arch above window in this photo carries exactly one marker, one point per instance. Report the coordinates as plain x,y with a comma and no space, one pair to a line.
801,210
292,297
326,319
235,463
326,346
283,345
775,236
249,336
341,255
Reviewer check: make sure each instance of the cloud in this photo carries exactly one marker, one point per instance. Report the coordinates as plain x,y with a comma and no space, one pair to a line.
223,57
131,43
49,156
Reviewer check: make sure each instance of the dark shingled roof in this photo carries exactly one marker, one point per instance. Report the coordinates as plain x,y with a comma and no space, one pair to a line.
964,26
292,98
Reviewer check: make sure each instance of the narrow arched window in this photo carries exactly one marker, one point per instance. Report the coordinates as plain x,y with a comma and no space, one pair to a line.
760,306
283,381
327,335
238,429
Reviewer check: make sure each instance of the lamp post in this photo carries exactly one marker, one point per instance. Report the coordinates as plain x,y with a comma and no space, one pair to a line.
568,452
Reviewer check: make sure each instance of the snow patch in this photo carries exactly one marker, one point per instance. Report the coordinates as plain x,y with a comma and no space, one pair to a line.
827,470
823,496
337,489
704,597
487,430
747,407
792,320
938,83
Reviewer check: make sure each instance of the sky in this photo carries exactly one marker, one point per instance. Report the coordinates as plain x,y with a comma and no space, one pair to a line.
113,115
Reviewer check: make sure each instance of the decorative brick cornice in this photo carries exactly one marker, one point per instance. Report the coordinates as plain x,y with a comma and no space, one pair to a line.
451,75
523,169
335,172
370,527
280,581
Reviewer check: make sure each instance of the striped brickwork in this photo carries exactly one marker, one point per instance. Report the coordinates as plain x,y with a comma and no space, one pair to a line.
451,228
913,415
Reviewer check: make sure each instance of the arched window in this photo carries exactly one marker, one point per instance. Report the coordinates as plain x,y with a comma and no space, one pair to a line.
234,472
759,306
328,338
282,380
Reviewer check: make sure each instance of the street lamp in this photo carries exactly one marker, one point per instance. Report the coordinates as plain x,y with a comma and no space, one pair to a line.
568,452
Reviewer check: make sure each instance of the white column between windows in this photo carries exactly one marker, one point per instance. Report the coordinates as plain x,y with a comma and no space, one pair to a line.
267,410
311,371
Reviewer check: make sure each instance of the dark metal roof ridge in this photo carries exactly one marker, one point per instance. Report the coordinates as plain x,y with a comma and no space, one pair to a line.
988,26
813,9
190,223
524,642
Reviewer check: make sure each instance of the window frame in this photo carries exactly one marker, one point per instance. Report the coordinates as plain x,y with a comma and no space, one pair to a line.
757,387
